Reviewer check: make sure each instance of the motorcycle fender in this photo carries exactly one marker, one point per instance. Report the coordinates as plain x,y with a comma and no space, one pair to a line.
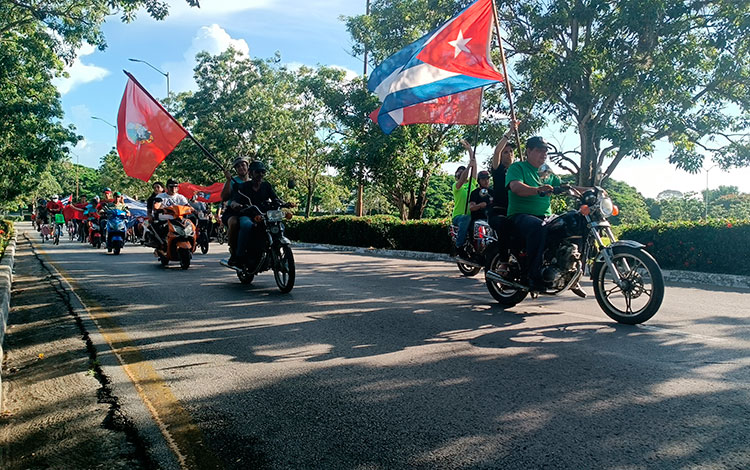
184,244
627,243
284,241
116,238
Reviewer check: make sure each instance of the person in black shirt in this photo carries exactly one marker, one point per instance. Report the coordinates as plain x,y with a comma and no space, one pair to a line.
260,194
158,189
481,198
502,158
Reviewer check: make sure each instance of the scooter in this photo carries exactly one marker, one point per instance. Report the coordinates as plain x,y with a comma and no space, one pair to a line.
181,236
116,228
95,233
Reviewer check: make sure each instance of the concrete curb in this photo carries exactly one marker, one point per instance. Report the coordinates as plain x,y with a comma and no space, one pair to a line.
6,283
687,277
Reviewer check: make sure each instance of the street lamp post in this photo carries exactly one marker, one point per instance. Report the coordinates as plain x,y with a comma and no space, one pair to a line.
705,214
105,122
166,74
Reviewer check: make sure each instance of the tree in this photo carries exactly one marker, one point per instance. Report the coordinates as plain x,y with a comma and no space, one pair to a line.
625,74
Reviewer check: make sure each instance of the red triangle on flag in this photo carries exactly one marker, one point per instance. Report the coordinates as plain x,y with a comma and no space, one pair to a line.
463,44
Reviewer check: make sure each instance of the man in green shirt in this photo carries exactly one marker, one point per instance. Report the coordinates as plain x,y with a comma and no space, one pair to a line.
461,190
529,202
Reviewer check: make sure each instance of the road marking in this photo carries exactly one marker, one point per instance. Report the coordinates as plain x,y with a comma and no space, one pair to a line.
183,436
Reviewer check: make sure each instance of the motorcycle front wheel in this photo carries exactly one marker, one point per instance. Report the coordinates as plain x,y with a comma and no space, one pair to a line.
641,291
505,296
204,247
283,269
185,256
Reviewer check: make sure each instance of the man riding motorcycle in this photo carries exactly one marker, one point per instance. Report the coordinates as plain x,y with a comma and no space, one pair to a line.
529,202
229,217
262,195
167,199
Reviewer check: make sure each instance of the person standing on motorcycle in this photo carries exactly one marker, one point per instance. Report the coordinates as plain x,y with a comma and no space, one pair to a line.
529,202
461,218
229,217
502,159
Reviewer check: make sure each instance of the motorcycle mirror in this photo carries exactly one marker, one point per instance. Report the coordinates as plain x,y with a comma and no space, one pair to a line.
291,184
544,171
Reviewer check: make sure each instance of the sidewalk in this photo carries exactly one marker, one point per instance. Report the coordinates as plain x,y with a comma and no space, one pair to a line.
57,412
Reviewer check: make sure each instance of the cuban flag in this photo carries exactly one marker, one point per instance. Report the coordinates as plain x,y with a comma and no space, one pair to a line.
452,59
66,200
136,208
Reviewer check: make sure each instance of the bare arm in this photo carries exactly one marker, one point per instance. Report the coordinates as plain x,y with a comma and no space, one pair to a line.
522,189
501,145
472,167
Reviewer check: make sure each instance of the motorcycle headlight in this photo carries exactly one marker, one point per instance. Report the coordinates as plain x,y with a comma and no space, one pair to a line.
189,230
275,216
606,206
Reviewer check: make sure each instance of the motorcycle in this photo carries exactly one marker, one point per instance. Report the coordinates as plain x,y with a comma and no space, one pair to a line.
116,229
180,241
204,228
628,282
95,233
269,249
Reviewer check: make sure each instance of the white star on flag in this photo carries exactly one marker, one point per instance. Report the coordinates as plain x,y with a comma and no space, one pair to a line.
460,44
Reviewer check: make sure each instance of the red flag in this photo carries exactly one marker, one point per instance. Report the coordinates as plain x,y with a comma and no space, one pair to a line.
207,193
459,108
146,132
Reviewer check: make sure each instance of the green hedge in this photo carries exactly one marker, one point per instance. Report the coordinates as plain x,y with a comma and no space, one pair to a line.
715,246
380,231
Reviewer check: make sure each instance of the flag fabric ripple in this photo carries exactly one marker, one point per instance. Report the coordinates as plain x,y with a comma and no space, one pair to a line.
451,59
146,132
207,193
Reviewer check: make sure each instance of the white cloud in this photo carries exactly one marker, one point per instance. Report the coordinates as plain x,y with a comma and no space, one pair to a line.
213,39
80,73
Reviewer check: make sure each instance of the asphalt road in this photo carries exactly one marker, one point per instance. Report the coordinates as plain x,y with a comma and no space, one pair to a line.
382,363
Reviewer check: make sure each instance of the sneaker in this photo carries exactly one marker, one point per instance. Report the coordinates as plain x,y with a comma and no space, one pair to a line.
461,253
233,262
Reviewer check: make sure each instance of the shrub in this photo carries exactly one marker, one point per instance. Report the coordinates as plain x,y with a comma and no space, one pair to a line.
715,246
380,231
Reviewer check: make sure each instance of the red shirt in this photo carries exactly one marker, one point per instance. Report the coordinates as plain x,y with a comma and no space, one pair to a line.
54,207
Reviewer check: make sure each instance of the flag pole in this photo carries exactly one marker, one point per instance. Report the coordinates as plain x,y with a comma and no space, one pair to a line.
506,80
476,143
187,132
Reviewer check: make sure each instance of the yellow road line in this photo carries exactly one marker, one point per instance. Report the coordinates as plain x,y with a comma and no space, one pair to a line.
182,435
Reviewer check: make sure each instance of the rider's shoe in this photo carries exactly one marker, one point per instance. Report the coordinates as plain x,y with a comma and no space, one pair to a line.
461,253
234,261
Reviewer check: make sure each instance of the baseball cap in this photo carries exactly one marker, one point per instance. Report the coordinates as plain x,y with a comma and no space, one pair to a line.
171,182
483,174
536,142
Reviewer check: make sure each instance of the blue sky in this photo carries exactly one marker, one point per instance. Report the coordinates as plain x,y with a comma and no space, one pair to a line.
306,32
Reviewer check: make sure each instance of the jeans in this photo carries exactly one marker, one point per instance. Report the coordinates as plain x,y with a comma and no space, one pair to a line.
530,228
463,222
246,225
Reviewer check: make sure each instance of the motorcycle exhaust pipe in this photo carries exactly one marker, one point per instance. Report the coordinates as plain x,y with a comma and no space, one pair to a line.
493,276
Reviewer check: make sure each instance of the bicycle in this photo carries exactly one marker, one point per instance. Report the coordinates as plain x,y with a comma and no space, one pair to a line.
59,222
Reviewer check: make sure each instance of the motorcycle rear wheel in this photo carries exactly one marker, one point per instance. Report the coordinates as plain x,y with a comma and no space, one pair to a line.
505,296
185,256
204,247
283,268
116,250
468,270
642,293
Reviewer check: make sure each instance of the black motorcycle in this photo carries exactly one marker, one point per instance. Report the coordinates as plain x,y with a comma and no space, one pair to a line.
628,282
269,248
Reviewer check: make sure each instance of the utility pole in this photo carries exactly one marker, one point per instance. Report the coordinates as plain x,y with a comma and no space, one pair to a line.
361,176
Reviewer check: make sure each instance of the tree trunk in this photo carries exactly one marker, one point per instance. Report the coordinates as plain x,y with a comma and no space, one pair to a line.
588,174
308,201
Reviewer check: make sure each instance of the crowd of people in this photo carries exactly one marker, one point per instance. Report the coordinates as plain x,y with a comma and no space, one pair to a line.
246,187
